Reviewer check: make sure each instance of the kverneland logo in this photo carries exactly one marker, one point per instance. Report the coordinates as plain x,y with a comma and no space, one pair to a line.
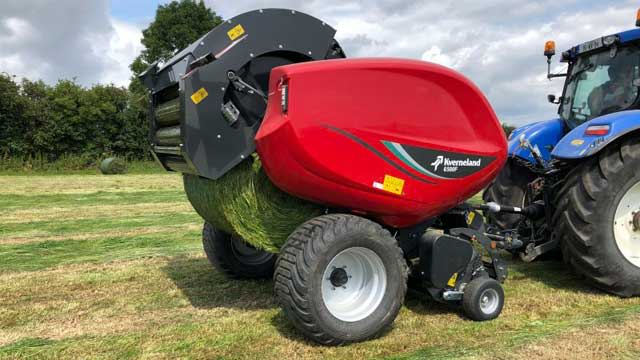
450,165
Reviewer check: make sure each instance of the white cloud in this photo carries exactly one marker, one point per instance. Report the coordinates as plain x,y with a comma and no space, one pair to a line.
495,43
17,30
62,40
435,55
118,50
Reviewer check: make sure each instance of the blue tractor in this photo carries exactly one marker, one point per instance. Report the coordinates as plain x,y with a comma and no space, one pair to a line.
579,175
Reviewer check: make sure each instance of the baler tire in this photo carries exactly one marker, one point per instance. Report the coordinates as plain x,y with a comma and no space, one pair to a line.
585,217
472,300
509,188
221,250
302,266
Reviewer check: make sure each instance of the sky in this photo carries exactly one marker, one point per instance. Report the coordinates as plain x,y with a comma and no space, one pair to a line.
498,44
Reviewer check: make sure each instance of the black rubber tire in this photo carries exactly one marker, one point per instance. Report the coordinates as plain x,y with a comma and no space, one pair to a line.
585,210
473,293
299,275
509,188
222,252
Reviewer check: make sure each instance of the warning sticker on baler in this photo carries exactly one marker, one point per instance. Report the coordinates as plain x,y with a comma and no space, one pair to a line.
199,95
393,184
452,281
236,32
470,217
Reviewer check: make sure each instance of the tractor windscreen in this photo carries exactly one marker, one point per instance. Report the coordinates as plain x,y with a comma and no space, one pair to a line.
601,83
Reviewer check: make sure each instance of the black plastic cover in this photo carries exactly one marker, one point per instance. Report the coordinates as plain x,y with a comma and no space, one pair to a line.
442,256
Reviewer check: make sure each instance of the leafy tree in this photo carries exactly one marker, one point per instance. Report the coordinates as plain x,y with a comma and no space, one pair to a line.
35,97
176,25
11,109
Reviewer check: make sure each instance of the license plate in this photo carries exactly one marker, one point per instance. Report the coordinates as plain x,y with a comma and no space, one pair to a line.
590,45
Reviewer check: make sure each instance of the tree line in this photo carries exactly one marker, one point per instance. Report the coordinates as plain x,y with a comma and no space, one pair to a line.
53,121
37,119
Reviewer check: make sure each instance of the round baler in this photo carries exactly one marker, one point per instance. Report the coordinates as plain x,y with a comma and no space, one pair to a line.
344,180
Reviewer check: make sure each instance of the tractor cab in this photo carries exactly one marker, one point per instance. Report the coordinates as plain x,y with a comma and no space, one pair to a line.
601,82
603,77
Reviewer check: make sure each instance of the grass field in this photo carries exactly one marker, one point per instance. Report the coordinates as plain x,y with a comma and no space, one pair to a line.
112,267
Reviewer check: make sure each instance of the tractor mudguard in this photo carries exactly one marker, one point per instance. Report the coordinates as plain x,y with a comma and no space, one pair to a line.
577,145
544,135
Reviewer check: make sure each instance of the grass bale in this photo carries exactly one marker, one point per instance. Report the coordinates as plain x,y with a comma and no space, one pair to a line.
112,166
245,202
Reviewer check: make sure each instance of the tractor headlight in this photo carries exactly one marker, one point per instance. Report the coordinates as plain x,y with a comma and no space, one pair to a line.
610,40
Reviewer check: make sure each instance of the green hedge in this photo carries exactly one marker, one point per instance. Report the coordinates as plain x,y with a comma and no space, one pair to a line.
38,120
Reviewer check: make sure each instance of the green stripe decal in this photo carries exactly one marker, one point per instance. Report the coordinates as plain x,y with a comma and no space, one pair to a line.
409,162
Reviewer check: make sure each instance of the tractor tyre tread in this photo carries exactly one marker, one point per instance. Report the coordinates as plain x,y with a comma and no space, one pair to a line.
508,188
216,244
299,257
584,205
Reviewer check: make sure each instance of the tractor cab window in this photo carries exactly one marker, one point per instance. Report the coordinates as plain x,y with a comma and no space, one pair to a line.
601,83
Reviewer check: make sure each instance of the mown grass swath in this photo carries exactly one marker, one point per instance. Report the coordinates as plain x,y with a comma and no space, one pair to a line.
245,202
129,284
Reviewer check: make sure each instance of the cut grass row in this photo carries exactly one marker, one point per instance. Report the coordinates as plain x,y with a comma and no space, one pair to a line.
57,227
87,184
125,284
178,307
13,202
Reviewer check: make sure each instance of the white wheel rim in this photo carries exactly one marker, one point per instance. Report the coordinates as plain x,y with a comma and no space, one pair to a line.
365,286
626,233
489,301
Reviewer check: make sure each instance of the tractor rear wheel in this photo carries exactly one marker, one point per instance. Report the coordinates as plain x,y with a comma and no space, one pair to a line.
597,219
235,258
509,188
340,279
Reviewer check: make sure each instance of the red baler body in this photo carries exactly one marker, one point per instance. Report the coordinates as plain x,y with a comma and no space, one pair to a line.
401,141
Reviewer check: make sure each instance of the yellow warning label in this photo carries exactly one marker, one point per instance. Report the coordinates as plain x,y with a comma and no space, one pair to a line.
393,184
236,32
470,217
452,281
199,95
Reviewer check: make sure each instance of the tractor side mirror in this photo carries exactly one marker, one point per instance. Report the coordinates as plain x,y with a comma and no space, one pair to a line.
552,99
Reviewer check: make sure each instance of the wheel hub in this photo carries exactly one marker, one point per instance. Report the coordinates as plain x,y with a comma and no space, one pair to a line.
339,277
489,301
354,284
626,225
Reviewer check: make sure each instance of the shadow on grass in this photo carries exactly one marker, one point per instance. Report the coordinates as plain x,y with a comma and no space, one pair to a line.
206,288
416,301
553,273
421,303
282,324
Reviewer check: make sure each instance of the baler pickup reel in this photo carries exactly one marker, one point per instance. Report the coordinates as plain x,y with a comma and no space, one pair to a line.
209,99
